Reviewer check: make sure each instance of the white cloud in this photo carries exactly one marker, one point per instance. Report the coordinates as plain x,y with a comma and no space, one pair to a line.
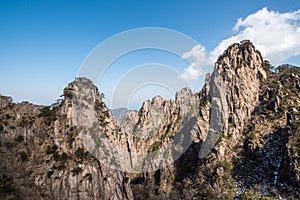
276,35
199,60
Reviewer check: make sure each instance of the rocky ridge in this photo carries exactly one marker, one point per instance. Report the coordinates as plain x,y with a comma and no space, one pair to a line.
256,147
44,157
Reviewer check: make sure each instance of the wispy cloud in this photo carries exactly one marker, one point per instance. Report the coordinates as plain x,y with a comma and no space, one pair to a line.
276,35
199,60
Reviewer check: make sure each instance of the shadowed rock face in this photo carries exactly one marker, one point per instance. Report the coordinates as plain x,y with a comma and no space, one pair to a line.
43,156
241,67
68,152
119,113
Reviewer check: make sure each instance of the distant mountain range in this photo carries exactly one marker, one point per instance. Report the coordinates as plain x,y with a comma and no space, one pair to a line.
119,113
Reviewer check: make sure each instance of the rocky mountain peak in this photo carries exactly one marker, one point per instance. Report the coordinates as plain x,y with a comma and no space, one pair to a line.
53,152
157,99
241,68
239,56
244,52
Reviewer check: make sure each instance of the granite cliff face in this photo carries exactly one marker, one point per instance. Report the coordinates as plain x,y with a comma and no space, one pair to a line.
77,150
239,71
43,156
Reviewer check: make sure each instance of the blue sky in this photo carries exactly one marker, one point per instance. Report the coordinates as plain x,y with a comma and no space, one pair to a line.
43,43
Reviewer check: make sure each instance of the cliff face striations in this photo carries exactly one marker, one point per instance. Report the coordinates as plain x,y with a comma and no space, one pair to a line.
237,138
43,156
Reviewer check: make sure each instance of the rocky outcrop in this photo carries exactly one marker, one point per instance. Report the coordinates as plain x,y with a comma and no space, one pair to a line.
238,136
5,101
44,157
269,158
237,80
241,67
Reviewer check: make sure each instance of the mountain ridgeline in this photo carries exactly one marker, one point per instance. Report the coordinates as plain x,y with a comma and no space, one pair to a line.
47,153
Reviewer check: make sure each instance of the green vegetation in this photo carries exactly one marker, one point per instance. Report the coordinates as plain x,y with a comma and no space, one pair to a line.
81,154
209,157
19,138
156,146
61,166
227,166
48,114
102,95
88,176
76,171
5,182
286,68
49,173
51,149
67,93
203,103
61,158
126,180
45,112
56,156
207,192
264,110
7,188
72,134
23,156
64,156
267,66
295,125
251,136
265,198
7,116
24,122
247,195
98,105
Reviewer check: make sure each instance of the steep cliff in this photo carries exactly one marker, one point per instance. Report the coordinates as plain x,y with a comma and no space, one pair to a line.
43,156
269,162
237,138
229,171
